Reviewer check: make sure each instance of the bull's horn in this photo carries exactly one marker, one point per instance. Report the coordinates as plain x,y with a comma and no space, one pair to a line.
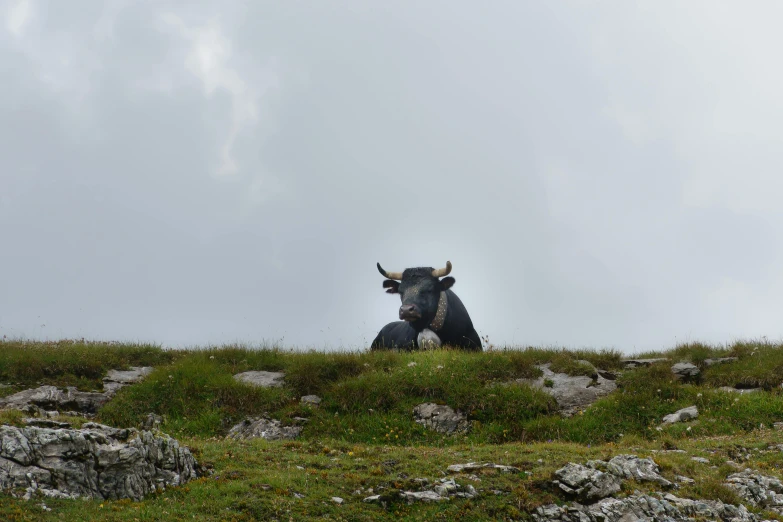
440,272
389,275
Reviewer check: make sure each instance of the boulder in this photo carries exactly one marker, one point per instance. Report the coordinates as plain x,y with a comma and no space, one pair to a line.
312,400
685,414
586,483
633,467
95,461
740,391
261,427
685,371
666,508
261,379
44,399
441,418
572,393
474,466
759,490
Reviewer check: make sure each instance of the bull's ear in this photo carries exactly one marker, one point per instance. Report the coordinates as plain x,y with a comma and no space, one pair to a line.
391,286
447,282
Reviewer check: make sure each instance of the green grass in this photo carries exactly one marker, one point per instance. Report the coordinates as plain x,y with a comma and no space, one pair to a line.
362,435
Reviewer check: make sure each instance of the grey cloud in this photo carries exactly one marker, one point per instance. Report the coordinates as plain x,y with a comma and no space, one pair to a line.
192,172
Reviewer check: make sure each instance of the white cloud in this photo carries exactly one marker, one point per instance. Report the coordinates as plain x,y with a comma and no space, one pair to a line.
209,58
18,16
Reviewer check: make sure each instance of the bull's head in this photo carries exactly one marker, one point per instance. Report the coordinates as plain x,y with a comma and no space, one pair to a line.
420,291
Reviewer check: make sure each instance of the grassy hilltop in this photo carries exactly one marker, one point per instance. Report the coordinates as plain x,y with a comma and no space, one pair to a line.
363,435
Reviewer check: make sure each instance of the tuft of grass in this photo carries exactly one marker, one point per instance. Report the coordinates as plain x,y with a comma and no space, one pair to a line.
72,362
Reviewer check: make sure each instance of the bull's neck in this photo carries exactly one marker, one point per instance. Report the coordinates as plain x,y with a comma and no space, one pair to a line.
440,316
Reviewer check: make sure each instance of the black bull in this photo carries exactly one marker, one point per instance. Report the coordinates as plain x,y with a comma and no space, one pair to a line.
431,313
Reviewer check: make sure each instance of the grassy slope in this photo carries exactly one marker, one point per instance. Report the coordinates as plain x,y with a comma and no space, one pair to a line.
362,435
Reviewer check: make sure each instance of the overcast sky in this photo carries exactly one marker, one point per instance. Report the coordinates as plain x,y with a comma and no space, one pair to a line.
600,174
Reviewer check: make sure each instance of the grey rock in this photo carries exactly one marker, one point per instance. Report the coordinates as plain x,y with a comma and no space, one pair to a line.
572,393
719,360
633,467
685,414
46,423
261,379
740,391
586,483
474,466
441,418
700,460
269,429
51,398
759,490
778,426
45,398
312,400
337,500
422,496
644,507
630,364
95,461
685,370
444,489
684,480
152,422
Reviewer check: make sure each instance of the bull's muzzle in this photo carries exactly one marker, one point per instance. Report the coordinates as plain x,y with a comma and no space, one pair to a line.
409,313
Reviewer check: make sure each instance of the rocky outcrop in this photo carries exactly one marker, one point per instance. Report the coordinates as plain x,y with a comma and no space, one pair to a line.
640,470
261,427
95,461
443,489
261,378
758,490
50,400
589,484
441,418
586,483
572,393
662,508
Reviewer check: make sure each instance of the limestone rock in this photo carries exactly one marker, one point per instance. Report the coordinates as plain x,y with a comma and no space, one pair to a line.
95,461
441,418
586,483
444,489
645,507
312,400
269,429
685,371
740,391
116,379
572,393
758,490
54,398
633,467
685,414
43,399
474,466
261,378
719,360
630,364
